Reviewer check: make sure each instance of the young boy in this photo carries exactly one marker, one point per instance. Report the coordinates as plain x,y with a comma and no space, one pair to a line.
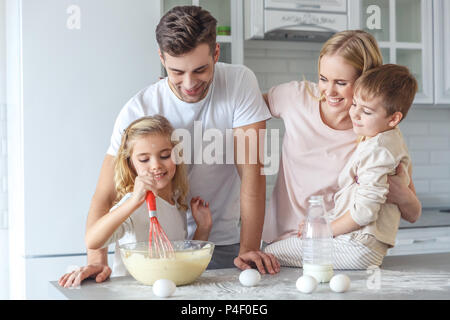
382,98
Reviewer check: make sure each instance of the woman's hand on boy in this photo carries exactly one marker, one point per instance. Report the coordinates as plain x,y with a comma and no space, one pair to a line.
397,186
202,217
301,226
404,195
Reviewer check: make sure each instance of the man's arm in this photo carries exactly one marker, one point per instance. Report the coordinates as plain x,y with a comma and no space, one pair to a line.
252,198
253,186
101,203
266,98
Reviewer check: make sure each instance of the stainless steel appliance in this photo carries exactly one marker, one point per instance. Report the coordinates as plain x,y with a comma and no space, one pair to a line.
294,20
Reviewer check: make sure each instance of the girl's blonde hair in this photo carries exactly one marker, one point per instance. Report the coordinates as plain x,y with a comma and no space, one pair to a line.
124,171
359,48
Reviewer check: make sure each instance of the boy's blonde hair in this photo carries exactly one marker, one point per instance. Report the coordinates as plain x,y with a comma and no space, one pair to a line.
358,48
394,84
124,171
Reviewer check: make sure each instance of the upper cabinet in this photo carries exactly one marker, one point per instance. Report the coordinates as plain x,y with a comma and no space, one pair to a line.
229,17
442,51
404,31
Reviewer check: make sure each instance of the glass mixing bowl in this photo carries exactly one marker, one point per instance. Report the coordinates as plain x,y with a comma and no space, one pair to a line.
190,260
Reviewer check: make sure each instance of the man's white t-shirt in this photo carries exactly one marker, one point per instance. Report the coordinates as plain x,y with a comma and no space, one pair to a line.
233,100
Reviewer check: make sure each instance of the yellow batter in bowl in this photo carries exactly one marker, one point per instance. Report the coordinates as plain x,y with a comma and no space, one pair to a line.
190,260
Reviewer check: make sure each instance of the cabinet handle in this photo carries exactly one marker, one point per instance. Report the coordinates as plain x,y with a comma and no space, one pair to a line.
424,240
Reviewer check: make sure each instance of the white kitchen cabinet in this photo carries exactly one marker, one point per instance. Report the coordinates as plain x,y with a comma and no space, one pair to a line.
442,51
229,13
421,241
404,33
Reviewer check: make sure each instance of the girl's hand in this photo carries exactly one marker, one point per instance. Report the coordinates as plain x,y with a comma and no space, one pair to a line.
301,226
202,216
142,184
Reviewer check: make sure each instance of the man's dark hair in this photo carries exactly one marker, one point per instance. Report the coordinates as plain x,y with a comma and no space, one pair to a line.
183,28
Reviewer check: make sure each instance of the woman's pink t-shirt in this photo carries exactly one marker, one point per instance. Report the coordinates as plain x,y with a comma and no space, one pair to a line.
312,157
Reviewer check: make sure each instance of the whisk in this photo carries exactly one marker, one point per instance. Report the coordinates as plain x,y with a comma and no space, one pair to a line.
159,244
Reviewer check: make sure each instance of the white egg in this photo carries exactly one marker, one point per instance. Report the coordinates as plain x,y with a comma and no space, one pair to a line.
164,288
340,283
306,284
249,277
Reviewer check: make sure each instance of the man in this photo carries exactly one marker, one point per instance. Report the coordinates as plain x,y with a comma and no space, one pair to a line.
199,90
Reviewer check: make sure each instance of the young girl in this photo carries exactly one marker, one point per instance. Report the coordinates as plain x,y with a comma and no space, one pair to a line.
144,163
364,226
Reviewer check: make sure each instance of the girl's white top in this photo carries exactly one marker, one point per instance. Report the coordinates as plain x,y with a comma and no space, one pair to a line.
136,228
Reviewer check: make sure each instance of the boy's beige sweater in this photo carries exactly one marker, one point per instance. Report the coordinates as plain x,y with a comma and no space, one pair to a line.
363,185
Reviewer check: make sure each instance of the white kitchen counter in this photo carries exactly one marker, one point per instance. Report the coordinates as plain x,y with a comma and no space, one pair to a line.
418,277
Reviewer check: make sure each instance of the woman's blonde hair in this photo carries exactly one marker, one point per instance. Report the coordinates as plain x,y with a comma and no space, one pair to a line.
124,171
358,48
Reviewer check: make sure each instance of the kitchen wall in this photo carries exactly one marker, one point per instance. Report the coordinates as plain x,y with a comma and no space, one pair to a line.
426,128
4,288
68,72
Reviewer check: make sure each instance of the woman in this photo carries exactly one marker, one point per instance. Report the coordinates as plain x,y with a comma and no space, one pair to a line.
319,138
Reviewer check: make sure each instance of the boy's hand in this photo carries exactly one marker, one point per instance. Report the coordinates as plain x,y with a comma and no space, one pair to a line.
202,216
301,226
